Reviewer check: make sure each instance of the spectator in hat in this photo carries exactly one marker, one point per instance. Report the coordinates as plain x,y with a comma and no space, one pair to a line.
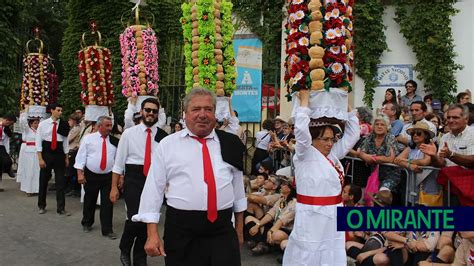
278,123
418,110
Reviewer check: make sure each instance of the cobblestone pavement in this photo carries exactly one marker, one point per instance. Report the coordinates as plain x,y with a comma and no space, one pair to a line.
28,238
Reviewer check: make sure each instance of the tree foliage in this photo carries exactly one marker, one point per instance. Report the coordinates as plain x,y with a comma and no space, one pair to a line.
264,19
427,28
369,40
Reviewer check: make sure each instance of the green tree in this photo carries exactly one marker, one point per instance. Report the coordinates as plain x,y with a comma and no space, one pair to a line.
427,28
369,40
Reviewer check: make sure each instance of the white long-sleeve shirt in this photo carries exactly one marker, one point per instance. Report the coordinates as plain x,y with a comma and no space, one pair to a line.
44,133
131,148
90,154
28,135
177,172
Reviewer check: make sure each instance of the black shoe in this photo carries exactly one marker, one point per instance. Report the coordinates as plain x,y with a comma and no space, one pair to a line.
1,189
125,259
42,211
69,194
11,173
111,235
64,213
86,229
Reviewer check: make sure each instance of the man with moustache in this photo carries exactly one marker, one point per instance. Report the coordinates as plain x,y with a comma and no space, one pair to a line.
133,159
199,170
94,162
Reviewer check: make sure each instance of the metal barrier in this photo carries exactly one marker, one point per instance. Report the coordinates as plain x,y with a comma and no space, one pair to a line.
409,174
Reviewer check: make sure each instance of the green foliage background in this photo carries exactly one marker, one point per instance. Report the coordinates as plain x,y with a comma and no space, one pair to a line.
427,28
369,40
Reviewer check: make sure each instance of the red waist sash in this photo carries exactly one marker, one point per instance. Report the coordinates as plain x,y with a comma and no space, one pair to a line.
319,201
30,143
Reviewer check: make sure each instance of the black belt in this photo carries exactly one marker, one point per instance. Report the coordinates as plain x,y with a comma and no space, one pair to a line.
47,147
89,172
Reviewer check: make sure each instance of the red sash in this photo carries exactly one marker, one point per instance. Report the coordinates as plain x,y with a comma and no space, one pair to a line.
318,201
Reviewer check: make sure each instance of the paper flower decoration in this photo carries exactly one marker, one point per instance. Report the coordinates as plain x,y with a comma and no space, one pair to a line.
95,74
329,49
139,50
35,89
209,54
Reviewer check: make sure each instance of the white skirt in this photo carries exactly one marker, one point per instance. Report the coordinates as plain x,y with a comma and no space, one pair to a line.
315,240
28,171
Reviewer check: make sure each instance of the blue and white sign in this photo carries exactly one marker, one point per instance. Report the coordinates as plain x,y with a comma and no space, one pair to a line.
246,99
394,75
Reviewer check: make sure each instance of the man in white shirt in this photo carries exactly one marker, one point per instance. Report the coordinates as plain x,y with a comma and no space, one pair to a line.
199,170
5,134
52,146
94,162
133,159
418,110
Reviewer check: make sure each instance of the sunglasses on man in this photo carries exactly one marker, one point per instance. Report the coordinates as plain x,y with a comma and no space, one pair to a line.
151,110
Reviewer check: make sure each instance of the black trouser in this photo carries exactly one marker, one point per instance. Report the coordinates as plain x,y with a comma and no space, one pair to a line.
94,184
55,160
71,174
190,239
5,161
133,232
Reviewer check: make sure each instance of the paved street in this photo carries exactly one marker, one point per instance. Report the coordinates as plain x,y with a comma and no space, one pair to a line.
28,238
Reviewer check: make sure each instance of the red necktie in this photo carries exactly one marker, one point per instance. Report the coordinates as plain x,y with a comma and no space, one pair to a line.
1,132
147,161
210,181
54,138
103,161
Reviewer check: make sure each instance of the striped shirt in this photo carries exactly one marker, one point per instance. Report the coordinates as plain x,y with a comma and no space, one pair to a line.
462,144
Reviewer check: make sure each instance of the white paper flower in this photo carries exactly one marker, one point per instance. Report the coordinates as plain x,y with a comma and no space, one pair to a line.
297,2
335,13
298,76
299,14
343,49
337,68
331,34
327,16
303,41
335,49
292,31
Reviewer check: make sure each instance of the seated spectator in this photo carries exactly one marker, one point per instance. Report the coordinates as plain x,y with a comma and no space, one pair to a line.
464,253
412,158
351,194
262,141
444,251
260,202
257,183
393,112
418,110
278,123
277,223
436,120
365,119
457,146
370,250
379,147
265,167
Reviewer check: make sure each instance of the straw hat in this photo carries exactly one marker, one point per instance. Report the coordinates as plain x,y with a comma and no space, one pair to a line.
382,198
423,126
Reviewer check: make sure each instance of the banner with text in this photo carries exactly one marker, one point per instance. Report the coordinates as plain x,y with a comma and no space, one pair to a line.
246,99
